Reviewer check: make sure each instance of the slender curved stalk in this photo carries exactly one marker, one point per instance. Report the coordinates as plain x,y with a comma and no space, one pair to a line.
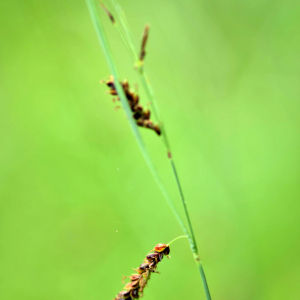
108,54
177,238
128,40
205,285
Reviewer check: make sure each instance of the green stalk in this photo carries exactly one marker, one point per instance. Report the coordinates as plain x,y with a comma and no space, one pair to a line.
109,57
93,9
177,238
129,42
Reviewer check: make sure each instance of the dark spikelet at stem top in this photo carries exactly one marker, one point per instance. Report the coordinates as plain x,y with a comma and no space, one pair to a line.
144,42
107,12
140,115
135,288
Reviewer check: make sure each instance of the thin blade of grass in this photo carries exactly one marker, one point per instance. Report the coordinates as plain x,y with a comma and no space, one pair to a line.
109,57
128,40
151,97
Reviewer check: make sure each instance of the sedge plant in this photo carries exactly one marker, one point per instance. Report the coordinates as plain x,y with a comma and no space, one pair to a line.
119,89
138,281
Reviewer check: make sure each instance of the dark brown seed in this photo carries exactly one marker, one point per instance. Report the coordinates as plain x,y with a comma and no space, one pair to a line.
135,293
110,84
135,277
125,85
146,114
140,122
137,115
144,266
135,284
153,264
113,92
124,294
166,251
148,124
152,256
160,256
157,129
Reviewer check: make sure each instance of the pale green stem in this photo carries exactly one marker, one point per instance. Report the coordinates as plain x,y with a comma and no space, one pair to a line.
133,57
203,277
109,57
150,94
179,237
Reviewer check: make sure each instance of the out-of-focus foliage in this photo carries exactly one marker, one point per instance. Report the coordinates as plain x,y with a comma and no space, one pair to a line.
79,207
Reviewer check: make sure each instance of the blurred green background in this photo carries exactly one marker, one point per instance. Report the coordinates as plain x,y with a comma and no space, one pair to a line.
79,208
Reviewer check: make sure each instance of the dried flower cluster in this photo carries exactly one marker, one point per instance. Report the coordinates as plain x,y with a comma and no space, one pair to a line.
134,289
141,115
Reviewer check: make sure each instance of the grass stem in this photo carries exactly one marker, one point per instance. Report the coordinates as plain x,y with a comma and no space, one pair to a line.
129,42
93,9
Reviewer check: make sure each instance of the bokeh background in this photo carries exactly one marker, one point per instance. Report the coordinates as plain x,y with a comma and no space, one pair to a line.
79,208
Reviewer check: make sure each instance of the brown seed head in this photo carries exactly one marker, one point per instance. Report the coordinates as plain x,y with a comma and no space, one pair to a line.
135,288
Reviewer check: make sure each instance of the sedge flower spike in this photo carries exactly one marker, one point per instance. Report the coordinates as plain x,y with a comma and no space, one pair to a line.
135,288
